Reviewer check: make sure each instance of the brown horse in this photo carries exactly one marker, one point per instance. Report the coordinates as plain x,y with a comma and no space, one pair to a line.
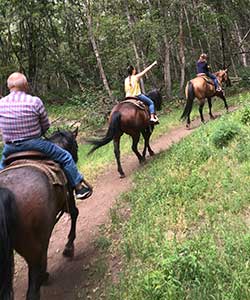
128,118
30,205
202,88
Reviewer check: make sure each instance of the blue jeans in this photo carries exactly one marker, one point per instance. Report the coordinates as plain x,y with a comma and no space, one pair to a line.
147,101
54,152
212,76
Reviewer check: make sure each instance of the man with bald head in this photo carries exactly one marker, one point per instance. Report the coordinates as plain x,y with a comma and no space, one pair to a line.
23,121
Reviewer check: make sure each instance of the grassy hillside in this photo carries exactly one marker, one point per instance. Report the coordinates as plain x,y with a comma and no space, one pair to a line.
169,118
188,233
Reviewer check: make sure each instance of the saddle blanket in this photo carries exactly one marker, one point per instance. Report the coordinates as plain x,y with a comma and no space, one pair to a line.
51,169
136,102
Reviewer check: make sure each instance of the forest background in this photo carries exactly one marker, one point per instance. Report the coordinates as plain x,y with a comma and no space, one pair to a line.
77,52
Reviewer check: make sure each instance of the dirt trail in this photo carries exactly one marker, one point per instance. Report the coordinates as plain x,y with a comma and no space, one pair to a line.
68,276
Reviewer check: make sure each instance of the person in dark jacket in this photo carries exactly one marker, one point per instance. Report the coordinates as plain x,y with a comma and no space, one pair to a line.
203,67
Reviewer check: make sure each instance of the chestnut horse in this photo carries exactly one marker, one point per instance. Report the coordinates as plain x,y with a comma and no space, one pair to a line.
201,88
128,118
30,205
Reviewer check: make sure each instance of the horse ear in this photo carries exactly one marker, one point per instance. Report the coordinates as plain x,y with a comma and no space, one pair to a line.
75,132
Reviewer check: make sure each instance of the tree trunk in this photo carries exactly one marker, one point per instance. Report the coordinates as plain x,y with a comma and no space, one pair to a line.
167,52
240,45
166,68
181,53
97,55
137,57
189,30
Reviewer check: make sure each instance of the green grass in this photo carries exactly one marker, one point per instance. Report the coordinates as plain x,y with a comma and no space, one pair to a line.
188,233
92,165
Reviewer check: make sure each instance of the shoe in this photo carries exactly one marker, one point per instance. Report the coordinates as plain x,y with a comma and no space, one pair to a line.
83,193
154,119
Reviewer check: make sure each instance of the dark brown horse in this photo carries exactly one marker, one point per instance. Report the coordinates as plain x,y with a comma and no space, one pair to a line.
128,118
30,205
202,88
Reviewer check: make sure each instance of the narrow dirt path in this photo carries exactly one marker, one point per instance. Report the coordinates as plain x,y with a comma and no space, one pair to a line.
68,276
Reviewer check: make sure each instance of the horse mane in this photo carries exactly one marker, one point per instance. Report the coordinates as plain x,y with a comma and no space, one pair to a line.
219,72
155,95
66,140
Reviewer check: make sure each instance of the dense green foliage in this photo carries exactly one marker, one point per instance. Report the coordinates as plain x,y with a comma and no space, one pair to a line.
66,48
188,233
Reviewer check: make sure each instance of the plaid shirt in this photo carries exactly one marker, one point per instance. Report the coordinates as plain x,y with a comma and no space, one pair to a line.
22,117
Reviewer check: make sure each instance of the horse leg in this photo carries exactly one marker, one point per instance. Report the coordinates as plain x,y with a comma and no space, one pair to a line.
188,121
44,274
209,100
136,138
117,156
74,212
225,101
37,276
201,105
146,135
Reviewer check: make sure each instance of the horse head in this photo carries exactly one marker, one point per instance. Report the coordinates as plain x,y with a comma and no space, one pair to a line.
223,76
66,140
155,95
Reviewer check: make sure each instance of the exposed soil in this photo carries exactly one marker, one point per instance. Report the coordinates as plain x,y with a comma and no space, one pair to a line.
69,277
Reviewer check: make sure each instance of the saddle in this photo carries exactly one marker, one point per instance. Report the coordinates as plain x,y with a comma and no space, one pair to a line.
136,102
39,161
206,78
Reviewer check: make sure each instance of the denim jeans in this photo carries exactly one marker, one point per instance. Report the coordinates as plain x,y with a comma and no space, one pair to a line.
147,101
214,79
54,152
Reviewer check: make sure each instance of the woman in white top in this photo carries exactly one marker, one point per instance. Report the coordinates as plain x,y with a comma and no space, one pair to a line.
132,89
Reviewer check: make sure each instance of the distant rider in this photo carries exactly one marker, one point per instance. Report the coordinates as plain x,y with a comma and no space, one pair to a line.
202,67
132,89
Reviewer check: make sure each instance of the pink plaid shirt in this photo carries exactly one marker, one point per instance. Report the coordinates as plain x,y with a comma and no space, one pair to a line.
22,117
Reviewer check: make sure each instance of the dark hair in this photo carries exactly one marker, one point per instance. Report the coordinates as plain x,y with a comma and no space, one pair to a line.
130,69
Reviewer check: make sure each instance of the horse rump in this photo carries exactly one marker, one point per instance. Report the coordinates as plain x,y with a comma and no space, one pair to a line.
8,219
113,130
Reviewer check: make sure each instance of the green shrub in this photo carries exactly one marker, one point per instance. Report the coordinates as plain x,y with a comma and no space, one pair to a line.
224,133
245,115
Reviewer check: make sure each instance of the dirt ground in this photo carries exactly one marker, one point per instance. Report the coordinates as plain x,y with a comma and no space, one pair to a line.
68,277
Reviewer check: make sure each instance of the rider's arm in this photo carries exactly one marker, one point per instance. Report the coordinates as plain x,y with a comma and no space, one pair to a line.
43,117
139,75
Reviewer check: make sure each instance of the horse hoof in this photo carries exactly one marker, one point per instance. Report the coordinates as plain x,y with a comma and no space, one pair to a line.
151,153
212,117
68,252
122,175
188,127
142,160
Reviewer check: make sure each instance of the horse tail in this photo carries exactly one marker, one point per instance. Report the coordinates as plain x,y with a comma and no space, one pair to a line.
189,91
114,129
8,213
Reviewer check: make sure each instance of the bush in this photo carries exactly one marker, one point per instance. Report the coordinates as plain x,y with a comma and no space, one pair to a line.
245,115
224,133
